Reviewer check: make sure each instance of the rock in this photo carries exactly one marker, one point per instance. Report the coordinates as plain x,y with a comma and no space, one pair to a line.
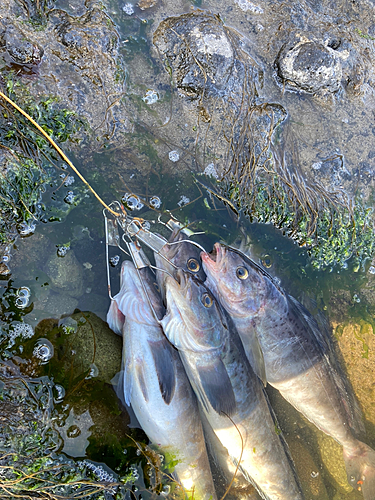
66,274
331,453
19,48
356,342
96,347
308,471
201,53
55,305
309,66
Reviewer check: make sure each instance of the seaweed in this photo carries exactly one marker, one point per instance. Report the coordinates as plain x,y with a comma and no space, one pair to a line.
28,162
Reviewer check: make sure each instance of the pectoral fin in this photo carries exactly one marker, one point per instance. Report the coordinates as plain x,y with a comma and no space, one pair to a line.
254,354
165,368
217,387
115,318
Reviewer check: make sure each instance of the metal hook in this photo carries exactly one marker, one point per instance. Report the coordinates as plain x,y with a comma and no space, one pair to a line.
188,241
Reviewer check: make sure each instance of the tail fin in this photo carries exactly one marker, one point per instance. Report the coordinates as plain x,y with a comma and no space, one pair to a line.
360,469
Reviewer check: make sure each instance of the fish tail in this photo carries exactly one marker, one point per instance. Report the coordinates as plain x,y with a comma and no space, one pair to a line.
360,469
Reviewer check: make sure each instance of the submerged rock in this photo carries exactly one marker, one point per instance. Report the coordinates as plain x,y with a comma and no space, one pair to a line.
66,273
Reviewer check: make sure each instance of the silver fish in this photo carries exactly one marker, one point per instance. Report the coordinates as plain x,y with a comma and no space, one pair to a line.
154,382
228,390
298,359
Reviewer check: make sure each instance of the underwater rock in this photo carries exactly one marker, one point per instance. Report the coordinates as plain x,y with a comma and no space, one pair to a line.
308,471
55,305
96,348
331,454
309,66
19,48
356,342
66,273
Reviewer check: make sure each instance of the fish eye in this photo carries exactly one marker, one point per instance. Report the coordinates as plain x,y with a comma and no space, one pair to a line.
242,273
267,261
157,287
207,300
193,265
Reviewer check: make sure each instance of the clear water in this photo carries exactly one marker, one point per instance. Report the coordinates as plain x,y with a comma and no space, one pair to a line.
159,159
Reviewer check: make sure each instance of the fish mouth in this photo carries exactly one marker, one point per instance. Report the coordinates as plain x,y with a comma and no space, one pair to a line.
215,259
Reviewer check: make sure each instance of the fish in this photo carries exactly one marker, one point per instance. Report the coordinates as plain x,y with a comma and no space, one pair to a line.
186,255
231,396
178,252
154,383
298,357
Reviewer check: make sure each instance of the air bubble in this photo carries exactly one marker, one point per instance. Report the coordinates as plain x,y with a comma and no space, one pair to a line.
184,200
23,291
211,171
69,325
63,250
132,201
356,298
69,198
114,260
60,393
165,491
150,97
128,9
94,372
371,269
155,201
22,302
43,350
174,156
69,181
26,229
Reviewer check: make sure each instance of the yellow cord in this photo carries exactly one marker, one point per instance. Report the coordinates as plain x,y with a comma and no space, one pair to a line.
62,154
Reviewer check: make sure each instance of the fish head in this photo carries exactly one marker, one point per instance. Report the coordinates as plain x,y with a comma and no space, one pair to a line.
238,285
201,326
184,254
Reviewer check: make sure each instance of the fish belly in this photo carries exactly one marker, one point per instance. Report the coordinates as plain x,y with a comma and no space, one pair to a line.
315,395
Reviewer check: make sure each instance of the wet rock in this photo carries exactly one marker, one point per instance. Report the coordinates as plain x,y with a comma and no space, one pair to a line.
201,53
92,32
97,349
309,66
19,48
146,4
66,274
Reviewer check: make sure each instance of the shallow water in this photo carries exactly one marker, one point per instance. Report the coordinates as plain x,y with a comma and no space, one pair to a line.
162,157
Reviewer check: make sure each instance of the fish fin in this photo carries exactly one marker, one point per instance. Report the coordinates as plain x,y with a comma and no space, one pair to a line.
115,318
165,367
217,386
360,470
254,354
350,403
